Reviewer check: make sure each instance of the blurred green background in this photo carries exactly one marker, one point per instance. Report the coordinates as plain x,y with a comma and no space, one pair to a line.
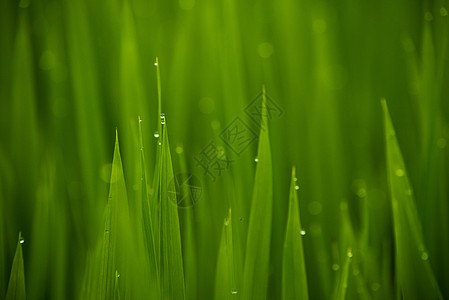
73,71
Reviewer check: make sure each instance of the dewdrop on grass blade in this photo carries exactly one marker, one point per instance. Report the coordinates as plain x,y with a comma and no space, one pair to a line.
163,118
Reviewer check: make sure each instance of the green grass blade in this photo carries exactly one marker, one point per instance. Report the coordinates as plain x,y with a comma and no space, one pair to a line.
147,223
172,273
116,286
155,203
342,286
294,276
255,276
116,229
16,286
225,279
414,275
186,217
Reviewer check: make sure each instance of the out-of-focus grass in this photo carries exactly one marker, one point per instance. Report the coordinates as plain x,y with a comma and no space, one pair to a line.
71,72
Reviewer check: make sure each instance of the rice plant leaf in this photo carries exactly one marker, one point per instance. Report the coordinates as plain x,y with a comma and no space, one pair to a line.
257,255
116,229
116,286
342,286
147,222
16,286
225,279
172,273
155,204
294,276
414,275
188,190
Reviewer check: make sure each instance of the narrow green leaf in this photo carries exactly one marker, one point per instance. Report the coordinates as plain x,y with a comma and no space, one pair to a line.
340,291
116,286
225,279
172,273
147,223
155,203
294,276
414,276
116,229
256,269
16,286
186,216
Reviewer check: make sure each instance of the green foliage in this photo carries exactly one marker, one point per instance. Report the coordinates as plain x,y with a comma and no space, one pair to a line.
257,257
225,279
294,276
16,286
73,71
414,275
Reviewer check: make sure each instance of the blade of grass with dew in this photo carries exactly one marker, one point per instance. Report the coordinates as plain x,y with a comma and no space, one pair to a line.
147,224
256,269
116,242
16,286
172,273
342,286
294,276
186,216
155,204
414,276
116,286
225,278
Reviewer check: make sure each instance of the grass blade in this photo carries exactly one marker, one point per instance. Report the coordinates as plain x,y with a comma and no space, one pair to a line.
294,277
147,223
340,291
116,230
256,267
414,275
186,217
16,286
172,273
225,279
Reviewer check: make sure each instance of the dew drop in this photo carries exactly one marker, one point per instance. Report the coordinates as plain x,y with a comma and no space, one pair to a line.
399,172
159,143
226,222
350,253
335,267
303,232
140,120
375,286
155,63
22,240
424,256
234,292
256,159
162,118
295,179
156,134
179,149
296,187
